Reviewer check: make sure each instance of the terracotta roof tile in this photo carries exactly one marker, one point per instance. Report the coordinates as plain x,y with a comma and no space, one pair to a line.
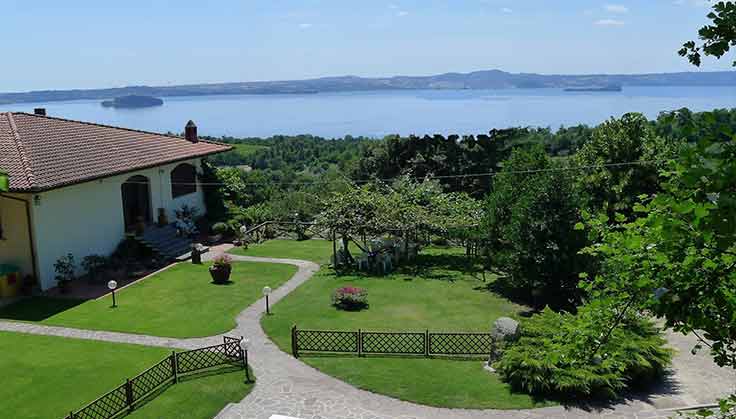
41,153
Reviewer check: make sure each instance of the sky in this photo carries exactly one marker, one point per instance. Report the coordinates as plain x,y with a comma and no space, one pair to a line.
95,44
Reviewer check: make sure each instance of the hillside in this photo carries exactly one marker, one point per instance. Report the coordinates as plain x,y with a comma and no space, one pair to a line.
489,79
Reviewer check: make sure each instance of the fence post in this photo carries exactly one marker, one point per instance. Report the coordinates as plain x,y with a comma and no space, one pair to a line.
174,367
360,343
294,343
129,394
426,343
71,415
244,358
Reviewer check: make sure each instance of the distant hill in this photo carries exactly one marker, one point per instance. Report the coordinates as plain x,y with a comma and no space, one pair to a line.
490,79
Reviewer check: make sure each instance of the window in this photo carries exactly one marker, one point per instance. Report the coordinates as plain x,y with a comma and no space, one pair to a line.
183,180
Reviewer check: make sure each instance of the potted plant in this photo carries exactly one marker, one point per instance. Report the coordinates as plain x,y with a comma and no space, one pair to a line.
221,267
350,298
65,268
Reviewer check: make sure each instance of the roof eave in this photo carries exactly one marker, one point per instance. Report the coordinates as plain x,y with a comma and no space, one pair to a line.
35,189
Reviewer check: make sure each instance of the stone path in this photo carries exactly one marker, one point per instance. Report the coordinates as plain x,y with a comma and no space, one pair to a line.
289,387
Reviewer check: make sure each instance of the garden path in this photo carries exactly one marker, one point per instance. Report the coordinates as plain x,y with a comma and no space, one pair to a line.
287,386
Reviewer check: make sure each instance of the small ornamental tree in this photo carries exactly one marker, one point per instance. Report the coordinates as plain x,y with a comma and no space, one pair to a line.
355,212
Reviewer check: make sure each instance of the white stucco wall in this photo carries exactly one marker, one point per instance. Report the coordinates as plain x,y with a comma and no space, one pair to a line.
87,219
15,241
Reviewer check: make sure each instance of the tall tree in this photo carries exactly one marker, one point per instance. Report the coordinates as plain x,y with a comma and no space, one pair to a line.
622,160
530,218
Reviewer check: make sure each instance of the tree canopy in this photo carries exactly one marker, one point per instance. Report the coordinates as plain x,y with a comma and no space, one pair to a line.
716,38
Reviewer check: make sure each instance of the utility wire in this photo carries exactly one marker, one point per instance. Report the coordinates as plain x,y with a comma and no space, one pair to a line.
470,175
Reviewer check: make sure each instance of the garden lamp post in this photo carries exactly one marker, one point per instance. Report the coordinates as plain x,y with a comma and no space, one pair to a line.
266,293
244,343
112,285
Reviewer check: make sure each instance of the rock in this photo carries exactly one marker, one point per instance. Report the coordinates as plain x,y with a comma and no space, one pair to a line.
487,366
505,329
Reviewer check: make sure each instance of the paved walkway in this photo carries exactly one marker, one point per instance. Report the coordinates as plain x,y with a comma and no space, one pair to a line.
289,387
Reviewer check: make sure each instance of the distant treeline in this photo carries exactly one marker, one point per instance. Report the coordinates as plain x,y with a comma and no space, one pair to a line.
303,158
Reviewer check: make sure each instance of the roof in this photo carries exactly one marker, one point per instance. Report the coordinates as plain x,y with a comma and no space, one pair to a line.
41,153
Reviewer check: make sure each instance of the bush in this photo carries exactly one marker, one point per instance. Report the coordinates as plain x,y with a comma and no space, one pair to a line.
221,228
222,261
350,298
65,268
554,356
94,264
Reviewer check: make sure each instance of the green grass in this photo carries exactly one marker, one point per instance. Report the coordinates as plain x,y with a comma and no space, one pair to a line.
318,251
47,377
180,302
440,297
198,397
247,149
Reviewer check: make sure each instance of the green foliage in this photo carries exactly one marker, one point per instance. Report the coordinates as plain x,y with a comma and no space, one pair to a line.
530,225
717,38
628,139
4,182
94,264
726,410
350,298
555,355
221,228
213,198
65,268
681,244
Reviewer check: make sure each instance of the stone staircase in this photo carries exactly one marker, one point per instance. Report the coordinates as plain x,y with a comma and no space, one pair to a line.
165,242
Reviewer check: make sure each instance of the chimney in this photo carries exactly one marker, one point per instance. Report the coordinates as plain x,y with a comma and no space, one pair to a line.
40,111
190,132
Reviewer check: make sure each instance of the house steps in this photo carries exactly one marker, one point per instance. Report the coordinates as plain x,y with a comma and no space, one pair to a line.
166,242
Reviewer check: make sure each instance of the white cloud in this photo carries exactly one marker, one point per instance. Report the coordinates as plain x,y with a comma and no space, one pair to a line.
393,6
305,25
616,8
506,10
609,22
402,13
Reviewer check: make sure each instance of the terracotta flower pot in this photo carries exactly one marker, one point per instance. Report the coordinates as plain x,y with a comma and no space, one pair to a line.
220,274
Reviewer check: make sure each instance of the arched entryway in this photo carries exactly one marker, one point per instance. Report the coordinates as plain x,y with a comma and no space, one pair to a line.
136,201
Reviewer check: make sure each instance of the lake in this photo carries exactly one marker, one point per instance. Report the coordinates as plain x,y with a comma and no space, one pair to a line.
377,114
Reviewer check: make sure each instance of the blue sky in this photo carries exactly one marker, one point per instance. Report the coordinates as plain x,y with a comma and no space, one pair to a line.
85,44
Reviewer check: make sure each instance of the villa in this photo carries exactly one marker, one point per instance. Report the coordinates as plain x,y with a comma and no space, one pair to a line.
77,187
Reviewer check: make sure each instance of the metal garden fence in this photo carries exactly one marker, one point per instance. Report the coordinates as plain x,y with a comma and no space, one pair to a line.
423,344
125,398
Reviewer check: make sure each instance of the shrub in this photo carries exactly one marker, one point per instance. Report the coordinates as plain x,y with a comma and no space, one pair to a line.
65,267
350,298
220,228
222,260
439,241
554,356
94,264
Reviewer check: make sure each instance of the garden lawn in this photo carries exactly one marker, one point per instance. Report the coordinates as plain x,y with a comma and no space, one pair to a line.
443,296
47,377
179,302
318,251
